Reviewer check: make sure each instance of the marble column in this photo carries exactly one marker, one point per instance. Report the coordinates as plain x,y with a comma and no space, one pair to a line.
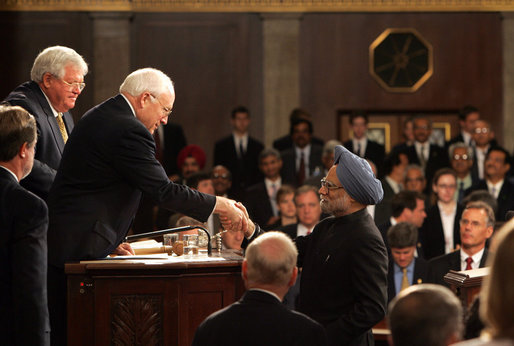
508,80
281,72
111,58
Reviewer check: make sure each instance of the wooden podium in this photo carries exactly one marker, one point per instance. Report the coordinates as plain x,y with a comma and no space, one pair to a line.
466,284
147,302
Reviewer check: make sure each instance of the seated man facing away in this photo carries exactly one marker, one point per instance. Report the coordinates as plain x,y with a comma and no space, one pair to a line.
404,268
425,315
259,318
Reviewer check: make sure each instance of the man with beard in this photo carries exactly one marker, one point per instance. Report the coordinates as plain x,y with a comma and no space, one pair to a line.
344,259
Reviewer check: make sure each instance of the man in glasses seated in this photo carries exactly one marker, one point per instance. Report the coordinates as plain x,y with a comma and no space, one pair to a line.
57,81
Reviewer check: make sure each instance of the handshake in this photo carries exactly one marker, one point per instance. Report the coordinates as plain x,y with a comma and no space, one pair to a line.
233,216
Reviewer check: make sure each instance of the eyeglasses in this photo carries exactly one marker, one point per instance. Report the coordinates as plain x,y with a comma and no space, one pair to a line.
222,176
75,85
329,185
167,111
460,157
481,130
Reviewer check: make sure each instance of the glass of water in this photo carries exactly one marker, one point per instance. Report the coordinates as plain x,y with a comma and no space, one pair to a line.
190,245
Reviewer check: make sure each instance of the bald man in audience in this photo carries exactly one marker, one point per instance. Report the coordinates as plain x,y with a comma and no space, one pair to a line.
425,315
259,318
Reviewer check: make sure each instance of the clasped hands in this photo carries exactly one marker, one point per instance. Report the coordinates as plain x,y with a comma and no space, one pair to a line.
233,216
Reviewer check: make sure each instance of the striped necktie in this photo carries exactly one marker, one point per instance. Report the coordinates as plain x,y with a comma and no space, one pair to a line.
62,127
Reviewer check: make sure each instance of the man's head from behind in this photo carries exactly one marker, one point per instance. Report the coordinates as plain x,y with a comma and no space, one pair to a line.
402,239
409,206
270,262
151,94
18,136
425,315
60,72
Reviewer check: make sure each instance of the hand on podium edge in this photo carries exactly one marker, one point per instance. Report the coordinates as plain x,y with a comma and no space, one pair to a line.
232,218
124,249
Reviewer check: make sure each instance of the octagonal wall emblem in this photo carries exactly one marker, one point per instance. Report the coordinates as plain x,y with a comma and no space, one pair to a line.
401,60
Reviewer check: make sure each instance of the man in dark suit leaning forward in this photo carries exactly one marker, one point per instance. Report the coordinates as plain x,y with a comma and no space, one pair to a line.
108,162
259,318
23,225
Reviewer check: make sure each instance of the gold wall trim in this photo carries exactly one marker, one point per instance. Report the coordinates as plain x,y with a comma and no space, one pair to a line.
260,5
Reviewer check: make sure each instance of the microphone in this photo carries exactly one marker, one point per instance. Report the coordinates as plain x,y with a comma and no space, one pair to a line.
171,230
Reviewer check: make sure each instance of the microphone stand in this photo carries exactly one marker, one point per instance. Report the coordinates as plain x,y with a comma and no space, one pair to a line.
171,230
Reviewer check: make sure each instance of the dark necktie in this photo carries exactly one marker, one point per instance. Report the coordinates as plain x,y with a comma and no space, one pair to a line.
461,192
359,150
469,260
158,148
301,171
241,149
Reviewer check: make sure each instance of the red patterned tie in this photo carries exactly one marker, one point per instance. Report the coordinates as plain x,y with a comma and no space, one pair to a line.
469,260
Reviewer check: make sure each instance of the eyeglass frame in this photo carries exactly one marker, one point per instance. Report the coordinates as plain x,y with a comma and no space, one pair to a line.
324,183
79,85
166,110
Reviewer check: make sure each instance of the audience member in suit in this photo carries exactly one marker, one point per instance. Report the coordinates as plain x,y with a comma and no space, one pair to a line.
108,162
415,181
327,159
497,164
429,156
239,153
23,224
425,315
468,115
360,144
57,81
406,206
258,318
440,231
408,136
191,159
261,198
308,212
497,295
221,180
286,207
286,142
394,168
476,226
301,161
404,268
483,138
461,160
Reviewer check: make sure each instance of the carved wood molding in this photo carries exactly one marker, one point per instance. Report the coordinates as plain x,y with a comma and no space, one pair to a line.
136,320
260,5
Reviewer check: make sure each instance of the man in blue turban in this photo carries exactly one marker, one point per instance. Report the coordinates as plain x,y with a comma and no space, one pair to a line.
344,259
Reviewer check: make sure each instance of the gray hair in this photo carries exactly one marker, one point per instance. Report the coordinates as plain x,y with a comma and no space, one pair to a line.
329,147
269,152
454,146
147,80
425,315
53,60
481,205
417,167
271,259
402,235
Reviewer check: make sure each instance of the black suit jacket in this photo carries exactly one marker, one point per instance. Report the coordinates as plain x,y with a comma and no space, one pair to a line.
374,151
108,161
288,171
286,142
432,234
258,319
438,267
245,173
383,209
174,140
505,197
291,230
23,265
50,144
438,158
420,276
258,204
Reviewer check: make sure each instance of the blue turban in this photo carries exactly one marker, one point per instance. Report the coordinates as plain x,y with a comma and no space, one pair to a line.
356,177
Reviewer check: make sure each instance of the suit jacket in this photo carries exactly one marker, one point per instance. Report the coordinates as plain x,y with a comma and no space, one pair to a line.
420,276
344,277
438,267
291,230
174,141
374,151
50,144
438,158
288,171
245,173
505,197
23,265
383,210
258,319
432,234
108,161
286,142
258,204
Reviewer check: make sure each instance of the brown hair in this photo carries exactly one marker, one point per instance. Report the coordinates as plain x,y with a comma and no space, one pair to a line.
17,126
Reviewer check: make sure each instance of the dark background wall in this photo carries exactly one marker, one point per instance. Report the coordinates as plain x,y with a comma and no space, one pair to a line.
216,62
